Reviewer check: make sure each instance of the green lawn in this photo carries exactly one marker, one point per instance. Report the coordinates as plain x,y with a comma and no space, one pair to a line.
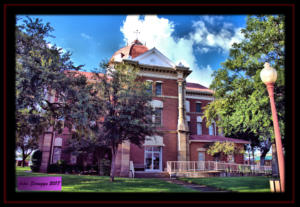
86,183
236,184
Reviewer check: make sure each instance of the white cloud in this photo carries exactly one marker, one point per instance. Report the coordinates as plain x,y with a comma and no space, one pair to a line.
157,32
203,50
223,39
86,36
201,75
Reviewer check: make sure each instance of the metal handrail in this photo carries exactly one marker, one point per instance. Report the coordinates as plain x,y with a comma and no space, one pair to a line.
200,166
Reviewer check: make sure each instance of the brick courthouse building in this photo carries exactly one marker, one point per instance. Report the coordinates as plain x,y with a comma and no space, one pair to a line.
179,106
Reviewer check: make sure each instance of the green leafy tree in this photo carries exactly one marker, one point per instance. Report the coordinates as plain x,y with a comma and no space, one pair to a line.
40,73
126,113
224,148
242,104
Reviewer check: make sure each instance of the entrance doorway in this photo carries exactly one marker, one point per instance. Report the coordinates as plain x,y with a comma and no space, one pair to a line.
153,158
201,160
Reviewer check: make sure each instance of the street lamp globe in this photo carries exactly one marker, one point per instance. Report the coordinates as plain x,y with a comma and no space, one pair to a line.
268,74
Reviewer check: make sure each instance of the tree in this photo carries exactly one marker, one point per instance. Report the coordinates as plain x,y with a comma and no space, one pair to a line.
126,113
242,103
40,73
224,148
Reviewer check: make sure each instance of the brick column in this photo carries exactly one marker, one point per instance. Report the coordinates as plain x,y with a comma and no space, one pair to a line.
46,149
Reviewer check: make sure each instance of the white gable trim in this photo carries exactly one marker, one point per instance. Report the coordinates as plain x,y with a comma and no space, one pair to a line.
167,62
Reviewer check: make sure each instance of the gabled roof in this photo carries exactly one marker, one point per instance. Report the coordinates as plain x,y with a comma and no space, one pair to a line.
154,57
210,138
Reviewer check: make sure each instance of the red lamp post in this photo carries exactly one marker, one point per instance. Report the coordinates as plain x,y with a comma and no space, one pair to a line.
268,76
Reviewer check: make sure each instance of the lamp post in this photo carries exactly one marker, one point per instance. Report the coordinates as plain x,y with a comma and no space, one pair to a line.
268,76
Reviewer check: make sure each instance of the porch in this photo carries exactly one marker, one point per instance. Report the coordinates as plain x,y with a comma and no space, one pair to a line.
213,168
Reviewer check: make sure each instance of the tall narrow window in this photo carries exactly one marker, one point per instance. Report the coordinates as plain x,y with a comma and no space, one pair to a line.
56,154
188,120
198,107
57,150
199,125
199,128
158,87
187,106
211,129
158,116
149,86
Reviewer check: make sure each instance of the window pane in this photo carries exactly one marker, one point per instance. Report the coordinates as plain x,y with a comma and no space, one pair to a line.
211,130
56,154
199,128
149,87
156,149
158,88
198,107
158,116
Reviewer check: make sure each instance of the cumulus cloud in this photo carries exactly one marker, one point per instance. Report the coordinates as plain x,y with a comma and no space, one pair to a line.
157,32
223,39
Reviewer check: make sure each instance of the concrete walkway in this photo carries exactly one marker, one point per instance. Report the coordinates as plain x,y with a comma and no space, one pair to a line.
201,188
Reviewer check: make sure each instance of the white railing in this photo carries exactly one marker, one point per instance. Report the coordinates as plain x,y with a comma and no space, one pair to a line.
201,166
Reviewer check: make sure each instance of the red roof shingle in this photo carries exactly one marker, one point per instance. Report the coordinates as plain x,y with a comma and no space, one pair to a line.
198,87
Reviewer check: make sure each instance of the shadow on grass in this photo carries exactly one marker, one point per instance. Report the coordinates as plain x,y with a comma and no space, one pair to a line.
86,183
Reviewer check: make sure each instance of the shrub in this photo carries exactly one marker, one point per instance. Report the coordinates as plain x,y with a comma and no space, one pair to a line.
36,160
53,168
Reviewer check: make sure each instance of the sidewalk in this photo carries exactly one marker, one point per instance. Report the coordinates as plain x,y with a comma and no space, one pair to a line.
201,188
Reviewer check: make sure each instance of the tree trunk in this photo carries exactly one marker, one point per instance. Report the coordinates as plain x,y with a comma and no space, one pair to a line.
113,168
275,172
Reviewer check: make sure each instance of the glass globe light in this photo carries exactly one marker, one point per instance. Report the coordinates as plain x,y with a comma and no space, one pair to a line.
268,74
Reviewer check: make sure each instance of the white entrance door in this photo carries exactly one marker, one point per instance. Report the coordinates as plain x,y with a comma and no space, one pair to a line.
201,160
153,158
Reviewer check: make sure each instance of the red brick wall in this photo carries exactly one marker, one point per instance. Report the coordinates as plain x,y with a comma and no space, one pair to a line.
136,154
193,115
169,86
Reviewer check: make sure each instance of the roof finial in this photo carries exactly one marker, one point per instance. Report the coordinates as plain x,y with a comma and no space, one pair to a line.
136,33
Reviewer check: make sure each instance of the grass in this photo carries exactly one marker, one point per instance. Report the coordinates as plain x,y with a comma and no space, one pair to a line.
86,183
236,184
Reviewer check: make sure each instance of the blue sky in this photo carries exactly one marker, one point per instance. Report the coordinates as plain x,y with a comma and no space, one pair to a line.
200,42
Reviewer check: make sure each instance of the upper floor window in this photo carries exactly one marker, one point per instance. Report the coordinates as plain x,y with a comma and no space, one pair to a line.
211,129
199,125
188,120
187,106
198,107
158,117
158,88
149,86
